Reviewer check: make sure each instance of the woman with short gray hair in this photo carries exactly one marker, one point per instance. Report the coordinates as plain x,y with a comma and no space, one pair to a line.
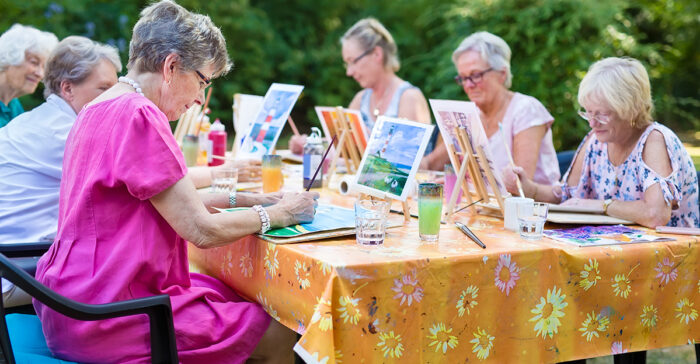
23,52
510,119
127,211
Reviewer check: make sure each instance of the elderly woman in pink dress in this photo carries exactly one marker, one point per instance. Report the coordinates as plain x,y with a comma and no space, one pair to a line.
127,208
483,67
627,166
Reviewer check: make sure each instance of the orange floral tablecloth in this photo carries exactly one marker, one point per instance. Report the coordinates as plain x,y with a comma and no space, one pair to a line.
516,301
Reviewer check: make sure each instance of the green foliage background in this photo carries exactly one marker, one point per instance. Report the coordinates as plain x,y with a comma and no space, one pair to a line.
553,44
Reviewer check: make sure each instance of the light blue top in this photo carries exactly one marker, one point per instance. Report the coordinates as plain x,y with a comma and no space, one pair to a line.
391,111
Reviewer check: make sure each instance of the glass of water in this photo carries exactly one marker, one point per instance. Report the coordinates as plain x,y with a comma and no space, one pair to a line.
531,219
370,221
223,180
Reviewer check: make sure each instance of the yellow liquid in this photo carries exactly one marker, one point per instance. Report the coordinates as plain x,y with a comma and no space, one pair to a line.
272,179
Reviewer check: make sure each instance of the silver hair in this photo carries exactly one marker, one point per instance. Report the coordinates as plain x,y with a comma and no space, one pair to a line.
492,48
166,27
73,60
370,33
20,39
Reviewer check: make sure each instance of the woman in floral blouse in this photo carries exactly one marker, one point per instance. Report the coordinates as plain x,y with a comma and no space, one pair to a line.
628,166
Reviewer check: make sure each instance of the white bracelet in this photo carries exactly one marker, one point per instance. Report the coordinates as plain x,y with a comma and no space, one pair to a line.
264,218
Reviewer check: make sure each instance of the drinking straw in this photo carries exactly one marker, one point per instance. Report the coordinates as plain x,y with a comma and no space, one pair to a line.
320,164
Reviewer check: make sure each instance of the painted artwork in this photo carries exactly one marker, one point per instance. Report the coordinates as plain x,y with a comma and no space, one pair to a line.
392,156
267,127
451,114
328,116
603,235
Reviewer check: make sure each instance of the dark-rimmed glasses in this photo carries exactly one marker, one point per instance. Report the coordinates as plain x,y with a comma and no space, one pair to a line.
357,59
601,118
207,81
475,78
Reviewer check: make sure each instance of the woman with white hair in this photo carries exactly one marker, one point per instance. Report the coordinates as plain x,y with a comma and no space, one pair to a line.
483,66
32,145
627,166
371,57
127,211
23,52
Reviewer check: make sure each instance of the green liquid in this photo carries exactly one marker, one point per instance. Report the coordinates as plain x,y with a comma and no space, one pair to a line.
429,213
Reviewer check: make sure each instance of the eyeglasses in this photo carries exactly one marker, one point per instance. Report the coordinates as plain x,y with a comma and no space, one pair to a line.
358,58
207,81
601,118
475,78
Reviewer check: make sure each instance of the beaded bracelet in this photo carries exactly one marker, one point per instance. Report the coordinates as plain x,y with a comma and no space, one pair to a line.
232,199
264,218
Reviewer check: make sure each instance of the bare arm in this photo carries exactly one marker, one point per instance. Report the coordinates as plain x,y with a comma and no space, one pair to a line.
356,101
182,208
413,106
526,148
437,159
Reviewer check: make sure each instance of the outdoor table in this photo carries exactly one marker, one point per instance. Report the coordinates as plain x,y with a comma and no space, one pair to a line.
516,301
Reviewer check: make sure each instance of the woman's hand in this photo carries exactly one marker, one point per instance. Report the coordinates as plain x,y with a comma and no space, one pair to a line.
510,179
293,208
296,144
249,170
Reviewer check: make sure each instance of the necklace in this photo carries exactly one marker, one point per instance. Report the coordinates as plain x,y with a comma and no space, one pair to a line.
380,102
132,83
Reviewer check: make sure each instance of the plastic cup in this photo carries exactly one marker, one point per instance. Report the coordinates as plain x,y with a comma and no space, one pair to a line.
429,211
531,219
272,178
370,221
223,180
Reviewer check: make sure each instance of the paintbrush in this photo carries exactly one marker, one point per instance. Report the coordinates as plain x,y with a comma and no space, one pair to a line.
320,164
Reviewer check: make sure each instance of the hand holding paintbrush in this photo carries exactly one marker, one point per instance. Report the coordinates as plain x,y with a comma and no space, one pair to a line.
510,158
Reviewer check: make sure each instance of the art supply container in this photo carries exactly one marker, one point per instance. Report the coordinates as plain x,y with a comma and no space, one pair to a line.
217,137
510,216
313,154
531,220
272,173
429,211
370,221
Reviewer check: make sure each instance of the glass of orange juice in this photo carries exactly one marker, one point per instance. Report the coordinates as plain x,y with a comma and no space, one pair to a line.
272,173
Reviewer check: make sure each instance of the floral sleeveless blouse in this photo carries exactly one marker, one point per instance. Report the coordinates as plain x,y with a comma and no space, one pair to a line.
601,180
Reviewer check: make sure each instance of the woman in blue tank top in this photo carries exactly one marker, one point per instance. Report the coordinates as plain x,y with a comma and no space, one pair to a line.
370,57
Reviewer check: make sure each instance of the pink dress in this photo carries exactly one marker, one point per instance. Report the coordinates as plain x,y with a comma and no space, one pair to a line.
113,245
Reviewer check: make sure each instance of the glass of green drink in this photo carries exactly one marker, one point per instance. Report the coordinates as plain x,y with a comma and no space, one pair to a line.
429,211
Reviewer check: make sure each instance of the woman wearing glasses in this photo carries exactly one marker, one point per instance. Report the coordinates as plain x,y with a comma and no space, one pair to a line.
627,166
126,210
371,58
483,66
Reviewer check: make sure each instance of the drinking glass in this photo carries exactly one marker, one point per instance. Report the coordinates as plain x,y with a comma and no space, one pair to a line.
531,219
370,221
450,180
223,180
272,173
429,211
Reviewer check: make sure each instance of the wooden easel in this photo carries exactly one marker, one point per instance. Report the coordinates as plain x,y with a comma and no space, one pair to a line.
404,205
347,148
474,160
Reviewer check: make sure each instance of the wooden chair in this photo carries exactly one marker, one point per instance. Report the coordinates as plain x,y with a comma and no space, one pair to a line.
21,337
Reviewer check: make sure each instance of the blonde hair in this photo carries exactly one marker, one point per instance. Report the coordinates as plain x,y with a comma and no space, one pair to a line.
492,48
370,33
166,27
624,84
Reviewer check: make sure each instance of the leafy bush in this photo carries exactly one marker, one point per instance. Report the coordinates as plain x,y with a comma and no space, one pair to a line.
553,43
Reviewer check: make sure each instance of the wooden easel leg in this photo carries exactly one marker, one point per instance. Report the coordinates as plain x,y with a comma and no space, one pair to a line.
406,212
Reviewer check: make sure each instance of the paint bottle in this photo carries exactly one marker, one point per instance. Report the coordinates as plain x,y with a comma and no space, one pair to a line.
204,142
217,137
313,153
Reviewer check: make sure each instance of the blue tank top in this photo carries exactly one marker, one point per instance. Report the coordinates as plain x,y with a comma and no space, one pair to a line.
391,111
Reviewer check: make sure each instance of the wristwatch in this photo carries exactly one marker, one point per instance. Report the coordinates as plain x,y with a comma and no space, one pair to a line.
606,204
232,199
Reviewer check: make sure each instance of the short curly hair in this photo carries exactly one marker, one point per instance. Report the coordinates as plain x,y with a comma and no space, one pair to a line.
624,84
166,27
21,38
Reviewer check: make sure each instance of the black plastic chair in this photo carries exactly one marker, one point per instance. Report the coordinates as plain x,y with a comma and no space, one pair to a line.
158,309
565,159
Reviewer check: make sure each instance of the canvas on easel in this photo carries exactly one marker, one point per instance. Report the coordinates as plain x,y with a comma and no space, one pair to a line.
467,146
390,161
262,136
245,109
347,127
